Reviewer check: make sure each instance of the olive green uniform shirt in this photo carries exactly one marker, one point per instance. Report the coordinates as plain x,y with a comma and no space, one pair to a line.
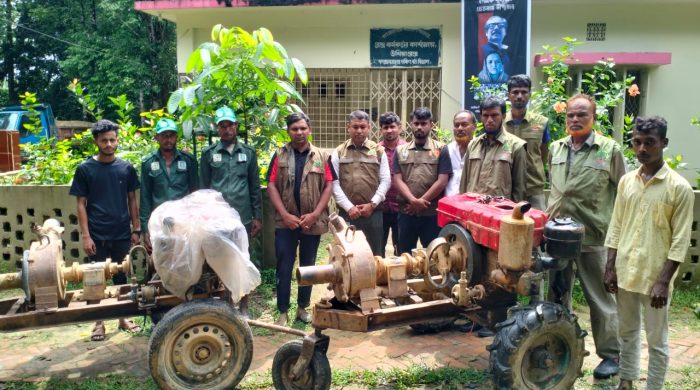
584,183
496,168
530,130
235,175
159,185
650,224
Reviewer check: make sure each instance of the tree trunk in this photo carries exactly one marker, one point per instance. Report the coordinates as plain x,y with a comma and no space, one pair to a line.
9,54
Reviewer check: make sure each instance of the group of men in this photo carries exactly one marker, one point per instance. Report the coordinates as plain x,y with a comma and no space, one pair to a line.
637,225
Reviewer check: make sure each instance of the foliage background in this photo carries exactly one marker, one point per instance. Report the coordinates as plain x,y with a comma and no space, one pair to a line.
44,44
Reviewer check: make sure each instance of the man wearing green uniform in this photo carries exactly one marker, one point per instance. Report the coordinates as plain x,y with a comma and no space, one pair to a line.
166,174
231,168
585,169
532,128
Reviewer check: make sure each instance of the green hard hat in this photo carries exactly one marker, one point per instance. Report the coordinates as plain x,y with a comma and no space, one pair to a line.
225,114
164,125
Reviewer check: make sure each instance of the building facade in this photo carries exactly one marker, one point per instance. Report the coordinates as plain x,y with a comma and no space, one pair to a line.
656,41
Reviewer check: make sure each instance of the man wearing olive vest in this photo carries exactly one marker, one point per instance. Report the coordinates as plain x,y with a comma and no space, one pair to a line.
585,169
421,170
363,180
532,128
497,159
299,186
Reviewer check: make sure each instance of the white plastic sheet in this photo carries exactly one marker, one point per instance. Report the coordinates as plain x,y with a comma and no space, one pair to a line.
197,228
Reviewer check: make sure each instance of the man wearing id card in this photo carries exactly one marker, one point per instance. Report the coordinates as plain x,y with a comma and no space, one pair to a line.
231,168
166,174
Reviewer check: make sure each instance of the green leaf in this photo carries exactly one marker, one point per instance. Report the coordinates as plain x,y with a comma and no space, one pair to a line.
301,70
187,129
188,95
265,35
280,49
194,62
174,100
205,57
288,88
272,119
215,32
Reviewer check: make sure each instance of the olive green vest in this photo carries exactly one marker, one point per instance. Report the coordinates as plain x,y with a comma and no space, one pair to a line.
312,184
587,193
530,130
490,167
358,170
419,170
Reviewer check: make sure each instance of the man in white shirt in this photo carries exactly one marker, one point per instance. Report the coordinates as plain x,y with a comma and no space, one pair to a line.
364,178
463,127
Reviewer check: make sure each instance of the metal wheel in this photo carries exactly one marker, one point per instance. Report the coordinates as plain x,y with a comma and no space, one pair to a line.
202,344
317,375
459,237
538,347
439,260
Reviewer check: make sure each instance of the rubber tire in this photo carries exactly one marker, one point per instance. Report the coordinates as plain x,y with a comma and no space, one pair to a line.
433,326
157,316
319,370
185,316
517,336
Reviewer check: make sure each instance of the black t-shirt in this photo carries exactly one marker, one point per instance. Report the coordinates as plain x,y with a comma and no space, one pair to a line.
105,185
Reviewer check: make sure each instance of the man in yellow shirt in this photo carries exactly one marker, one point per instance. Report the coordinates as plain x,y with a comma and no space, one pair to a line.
648,238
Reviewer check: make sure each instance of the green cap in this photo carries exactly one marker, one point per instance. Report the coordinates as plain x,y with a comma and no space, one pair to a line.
164,125
225,114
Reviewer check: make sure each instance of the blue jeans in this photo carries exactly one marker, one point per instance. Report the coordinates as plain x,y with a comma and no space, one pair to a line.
412,227
286,242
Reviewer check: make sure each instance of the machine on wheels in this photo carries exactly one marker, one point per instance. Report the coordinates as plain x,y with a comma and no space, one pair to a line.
486,254
200,342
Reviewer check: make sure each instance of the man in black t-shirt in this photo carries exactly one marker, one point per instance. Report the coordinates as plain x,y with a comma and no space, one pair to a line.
105,187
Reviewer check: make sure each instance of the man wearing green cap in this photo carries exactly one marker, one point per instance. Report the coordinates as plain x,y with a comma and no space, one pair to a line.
166,174
231,168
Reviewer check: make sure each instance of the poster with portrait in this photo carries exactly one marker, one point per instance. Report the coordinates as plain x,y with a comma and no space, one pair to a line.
496,39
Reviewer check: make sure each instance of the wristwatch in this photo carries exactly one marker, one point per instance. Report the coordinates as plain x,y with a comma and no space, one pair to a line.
137,231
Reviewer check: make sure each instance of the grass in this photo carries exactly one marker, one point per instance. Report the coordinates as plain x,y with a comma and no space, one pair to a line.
110,382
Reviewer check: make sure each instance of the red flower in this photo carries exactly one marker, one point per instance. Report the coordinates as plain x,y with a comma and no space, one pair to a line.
559,107
633,90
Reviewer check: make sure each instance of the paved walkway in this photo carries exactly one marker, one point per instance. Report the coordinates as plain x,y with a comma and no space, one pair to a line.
66,352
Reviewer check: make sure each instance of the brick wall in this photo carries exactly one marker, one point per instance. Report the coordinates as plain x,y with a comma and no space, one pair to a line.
9,150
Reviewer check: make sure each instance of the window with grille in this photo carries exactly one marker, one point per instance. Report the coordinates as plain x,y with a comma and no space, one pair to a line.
595,31
331,94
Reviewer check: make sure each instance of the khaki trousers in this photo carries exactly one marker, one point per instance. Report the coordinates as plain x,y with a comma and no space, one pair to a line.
629,306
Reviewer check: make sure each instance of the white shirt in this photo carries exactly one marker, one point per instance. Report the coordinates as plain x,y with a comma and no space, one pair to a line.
384,183
457,161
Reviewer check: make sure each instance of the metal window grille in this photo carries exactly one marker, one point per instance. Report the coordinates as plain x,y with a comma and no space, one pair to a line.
331,94
595,31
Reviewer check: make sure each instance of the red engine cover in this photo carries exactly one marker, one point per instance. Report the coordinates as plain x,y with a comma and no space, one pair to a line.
483,219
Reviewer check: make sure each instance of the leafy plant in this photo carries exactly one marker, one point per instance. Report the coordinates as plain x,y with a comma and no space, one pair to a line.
675,162
29,103
601,82
54,162
252,74
483,91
